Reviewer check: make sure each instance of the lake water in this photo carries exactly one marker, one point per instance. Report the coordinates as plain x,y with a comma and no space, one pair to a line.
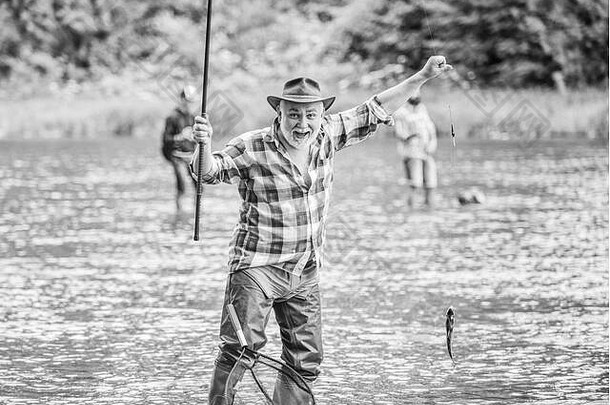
106,300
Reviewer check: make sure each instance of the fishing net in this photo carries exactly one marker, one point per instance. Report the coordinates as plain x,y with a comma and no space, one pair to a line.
264,380
268,381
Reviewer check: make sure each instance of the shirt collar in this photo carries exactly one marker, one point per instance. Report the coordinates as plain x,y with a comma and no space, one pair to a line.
271,135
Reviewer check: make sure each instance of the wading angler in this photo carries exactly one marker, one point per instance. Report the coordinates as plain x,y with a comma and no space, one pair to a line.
284,175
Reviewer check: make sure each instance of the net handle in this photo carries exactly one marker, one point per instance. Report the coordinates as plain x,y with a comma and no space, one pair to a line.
237,326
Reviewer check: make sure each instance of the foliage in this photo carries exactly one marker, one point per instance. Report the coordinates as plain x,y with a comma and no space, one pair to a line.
508,42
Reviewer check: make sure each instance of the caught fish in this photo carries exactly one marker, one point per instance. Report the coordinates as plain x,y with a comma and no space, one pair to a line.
452,129
449,324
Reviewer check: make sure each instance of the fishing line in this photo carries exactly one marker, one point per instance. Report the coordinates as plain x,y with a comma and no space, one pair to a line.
453,150
429,29
450,312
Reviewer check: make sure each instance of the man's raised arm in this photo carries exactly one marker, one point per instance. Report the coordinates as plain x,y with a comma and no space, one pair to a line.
392,98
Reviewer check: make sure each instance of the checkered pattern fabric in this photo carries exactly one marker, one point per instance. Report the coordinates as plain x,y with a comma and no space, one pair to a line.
282,219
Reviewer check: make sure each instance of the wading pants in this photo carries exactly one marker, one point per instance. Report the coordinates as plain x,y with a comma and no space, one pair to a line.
295,301
421,172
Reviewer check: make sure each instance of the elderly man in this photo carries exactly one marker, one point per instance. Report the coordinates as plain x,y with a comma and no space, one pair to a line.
284,175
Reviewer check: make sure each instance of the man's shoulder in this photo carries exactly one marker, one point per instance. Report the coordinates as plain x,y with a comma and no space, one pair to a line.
252,140
252,137
256,134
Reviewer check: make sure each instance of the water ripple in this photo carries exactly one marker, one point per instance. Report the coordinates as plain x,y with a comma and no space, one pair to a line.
106,300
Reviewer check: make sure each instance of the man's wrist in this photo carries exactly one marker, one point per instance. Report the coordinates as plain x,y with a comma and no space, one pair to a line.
419,78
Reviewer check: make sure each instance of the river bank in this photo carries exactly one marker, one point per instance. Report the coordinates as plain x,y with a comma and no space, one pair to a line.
78,113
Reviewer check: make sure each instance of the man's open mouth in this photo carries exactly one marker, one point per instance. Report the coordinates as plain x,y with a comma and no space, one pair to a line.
300,135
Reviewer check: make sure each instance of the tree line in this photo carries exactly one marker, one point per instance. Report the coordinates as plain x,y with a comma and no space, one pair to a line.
513,43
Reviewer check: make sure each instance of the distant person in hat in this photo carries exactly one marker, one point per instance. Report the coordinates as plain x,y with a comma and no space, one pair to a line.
178,142
284,175
416,135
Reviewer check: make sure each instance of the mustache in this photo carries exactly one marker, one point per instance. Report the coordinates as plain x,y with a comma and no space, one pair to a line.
302,131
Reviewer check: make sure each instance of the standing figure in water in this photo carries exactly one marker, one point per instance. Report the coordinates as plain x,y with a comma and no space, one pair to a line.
178,142
416,135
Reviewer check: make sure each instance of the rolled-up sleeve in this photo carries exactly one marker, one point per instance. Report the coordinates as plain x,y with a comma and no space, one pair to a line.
230,164
357,124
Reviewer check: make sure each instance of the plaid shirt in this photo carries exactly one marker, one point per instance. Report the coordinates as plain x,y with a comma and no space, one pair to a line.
282,219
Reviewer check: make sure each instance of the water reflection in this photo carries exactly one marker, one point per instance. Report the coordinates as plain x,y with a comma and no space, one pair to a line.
107,300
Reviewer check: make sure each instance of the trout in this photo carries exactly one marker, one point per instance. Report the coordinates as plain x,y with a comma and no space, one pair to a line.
449,324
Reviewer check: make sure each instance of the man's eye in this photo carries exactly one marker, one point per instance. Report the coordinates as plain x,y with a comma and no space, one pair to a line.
311,116
293,116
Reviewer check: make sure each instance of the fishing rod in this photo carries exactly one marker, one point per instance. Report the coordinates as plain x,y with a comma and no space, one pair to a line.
204,96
